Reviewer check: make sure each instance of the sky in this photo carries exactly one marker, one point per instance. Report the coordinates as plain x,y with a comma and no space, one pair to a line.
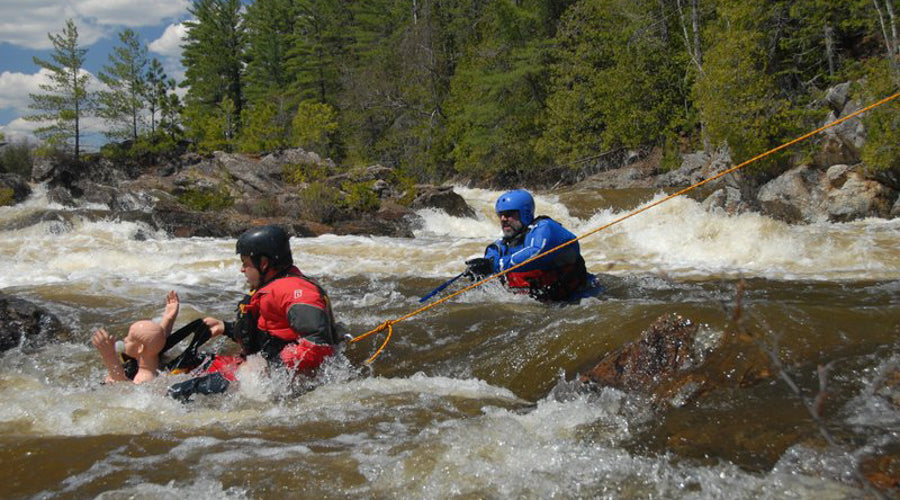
24,25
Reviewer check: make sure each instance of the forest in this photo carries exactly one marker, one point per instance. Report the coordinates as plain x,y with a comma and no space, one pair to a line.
489,92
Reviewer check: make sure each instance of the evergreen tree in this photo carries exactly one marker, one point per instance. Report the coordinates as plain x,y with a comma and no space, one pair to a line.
67,100
320,49
498,91
123,104
266,125
314,126
213,57
212,130
170,113
270,28
615,83
736,95
163,104
156,90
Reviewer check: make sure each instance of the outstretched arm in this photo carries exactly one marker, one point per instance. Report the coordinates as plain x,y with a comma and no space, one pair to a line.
106,345
172,305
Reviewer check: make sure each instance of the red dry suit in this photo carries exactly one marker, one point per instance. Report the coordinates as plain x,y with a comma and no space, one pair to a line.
288,320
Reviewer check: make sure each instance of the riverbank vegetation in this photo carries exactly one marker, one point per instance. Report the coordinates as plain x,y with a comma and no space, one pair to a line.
494,92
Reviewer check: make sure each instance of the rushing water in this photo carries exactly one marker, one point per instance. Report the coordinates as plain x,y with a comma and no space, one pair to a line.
474,398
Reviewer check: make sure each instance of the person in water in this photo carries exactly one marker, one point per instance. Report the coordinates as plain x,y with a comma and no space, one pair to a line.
286,317
144,342
559,276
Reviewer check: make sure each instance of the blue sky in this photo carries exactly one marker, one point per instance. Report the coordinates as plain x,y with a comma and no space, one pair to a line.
24,25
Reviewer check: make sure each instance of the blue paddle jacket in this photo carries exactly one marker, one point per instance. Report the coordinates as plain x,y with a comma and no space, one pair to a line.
555,276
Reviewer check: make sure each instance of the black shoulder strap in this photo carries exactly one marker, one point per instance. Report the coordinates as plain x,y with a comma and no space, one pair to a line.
188,359
178,335
538,219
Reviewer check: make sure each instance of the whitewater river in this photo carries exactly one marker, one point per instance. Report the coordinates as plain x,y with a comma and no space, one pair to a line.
473,399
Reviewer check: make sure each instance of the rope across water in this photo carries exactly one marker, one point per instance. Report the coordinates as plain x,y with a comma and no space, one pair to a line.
389,325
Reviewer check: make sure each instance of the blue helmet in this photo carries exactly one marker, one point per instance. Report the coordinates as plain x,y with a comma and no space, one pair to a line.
520,201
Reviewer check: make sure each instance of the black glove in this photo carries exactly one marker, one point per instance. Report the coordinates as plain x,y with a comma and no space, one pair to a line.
213,383
479,268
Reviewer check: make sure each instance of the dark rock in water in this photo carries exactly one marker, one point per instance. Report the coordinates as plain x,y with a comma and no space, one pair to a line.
882,468
25,324
676,361
373,226
883,471
443,198
18,185
60,196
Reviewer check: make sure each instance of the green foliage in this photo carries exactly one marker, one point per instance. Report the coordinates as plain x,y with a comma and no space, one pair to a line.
671,158
266,126
737,98
211,130
615,83
206,200
491,91
882,148
6,197
213,56
360,198
497,94
16,158
147,147
270,26
314,126
406,185
162,103
66,100
320,49
299,173
320,203
266,207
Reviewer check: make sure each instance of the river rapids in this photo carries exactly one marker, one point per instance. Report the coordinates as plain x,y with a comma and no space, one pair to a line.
474,398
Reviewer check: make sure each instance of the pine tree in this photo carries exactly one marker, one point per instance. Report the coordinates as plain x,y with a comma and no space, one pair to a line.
123,104
213,57
67,100
320,48
270,30
737,95
499,90
156,90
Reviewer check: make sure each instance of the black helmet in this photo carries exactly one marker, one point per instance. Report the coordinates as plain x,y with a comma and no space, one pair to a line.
269,241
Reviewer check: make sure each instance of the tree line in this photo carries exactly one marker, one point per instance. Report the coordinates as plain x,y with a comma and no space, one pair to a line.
490,90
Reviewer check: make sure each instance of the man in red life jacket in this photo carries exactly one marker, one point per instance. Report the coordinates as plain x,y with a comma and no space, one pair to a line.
286,317
559,276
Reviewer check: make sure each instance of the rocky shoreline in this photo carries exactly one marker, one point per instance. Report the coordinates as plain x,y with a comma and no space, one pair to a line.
831,185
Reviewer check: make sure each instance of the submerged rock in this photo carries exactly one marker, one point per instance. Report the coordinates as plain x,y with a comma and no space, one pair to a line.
676,361
25,324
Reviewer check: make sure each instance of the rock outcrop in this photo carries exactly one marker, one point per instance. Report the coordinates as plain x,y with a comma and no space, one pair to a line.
222,194
676,361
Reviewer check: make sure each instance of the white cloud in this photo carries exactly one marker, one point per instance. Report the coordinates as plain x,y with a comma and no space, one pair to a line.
27,22
131,12
168,45
91,129
19,128
15,87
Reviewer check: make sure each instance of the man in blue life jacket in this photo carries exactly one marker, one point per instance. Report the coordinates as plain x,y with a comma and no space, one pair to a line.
559,276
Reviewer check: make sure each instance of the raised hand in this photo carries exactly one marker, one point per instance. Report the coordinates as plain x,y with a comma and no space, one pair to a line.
173,304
